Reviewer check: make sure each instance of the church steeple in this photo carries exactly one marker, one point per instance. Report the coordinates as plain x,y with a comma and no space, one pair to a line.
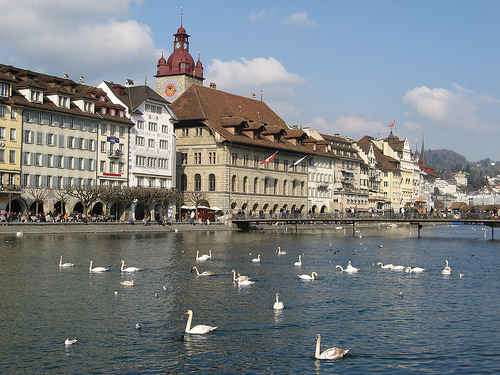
421,159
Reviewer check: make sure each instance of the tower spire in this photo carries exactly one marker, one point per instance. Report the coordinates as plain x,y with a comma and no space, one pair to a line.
182,14
422,151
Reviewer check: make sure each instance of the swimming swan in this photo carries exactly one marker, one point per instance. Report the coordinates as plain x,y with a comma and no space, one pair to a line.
239,278
447,269
245,282
128,269
64,265
202,258
348,269
313,276
398,268
332,353
199,329
127,283
205,273
278,305
97,269
386,266
414,270
299,262
256,260
280,252
69,341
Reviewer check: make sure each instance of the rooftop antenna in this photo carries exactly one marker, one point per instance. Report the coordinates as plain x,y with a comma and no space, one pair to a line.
261,95
182,14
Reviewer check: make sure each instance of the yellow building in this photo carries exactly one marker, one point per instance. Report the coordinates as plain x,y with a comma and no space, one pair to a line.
10,144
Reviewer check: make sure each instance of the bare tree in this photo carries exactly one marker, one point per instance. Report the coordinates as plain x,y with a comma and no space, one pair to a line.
86,194
62,196
38,195
195,198
110,195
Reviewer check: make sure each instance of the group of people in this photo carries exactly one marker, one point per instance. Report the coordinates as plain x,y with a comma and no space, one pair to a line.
30,217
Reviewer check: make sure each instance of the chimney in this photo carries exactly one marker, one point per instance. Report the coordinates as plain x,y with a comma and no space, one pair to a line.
129,83
82,80
254,96
213,85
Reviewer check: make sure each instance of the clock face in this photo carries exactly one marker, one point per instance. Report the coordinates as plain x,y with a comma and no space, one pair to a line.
170,89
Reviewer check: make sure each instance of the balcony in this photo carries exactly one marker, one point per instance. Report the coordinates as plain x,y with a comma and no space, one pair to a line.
10,188
115,154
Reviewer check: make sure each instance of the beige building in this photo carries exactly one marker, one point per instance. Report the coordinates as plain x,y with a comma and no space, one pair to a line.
10,143
60,138
223,141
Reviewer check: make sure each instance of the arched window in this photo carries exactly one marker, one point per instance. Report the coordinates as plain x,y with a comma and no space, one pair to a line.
275,186
294,185
184,182
255,185
245,184
302,188
284,187
211,182
197,182
233,183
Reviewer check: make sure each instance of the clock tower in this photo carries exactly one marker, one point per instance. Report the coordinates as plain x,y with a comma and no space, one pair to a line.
179,72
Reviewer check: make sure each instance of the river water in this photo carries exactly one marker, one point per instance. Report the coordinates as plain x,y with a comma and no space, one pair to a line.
393,322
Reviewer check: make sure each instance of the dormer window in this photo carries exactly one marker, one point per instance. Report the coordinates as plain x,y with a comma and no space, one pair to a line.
4,89
121,113
113,112
103,110
87,107
36,96
63,101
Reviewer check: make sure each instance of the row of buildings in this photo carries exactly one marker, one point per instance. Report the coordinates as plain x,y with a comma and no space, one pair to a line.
234,152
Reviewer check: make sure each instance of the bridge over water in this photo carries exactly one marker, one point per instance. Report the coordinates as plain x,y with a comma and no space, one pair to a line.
245,224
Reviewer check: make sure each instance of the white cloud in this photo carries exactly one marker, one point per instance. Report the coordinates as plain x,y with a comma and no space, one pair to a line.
299,19
77,37
256,16
442,105
254,74
350,126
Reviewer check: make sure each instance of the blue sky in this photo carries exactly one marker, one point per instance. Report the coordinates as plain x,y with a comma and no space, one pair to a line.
348,67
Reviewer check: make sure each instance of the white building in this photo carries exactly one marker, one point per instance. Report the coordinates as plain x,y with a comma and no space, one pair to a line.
152,138
320,183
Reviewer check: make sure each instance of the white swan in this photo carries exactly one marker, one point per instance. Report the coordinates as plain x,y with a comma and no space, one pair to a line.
239,278
19,234
127,283
278,305
245,282
385,266
280,252
202,258
64,265
313,276
398,268
447,269
414,269
299,262
199,329
205,273
97,269
332,353
128,269
348,269
256,260
69,341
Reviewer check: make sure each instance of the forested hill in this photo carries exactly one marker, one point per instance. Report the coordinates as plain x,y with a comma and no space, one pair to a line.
446,162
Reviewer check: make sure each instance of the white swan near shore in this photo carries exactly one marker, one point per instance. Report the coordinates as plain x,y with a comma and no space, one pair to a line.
331,353
69,341
385,266
239,277
409,269
280,252
200,329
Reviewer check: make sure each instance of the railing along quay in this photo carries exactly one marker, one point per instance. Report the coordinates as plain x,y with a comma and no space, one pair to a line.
244,223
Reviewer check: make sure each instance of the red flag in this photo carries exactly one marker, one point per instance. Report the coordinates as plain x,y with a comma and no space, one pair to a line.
269,159
391,125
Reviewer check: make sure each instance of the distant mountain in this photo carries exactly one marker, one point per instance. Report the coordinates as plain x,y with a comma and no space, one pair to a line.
446,163
441,160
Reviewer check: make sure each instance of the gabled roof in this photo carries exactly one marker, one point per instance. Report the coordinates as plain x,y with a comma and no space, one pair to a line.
395,143
134,96
384,162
